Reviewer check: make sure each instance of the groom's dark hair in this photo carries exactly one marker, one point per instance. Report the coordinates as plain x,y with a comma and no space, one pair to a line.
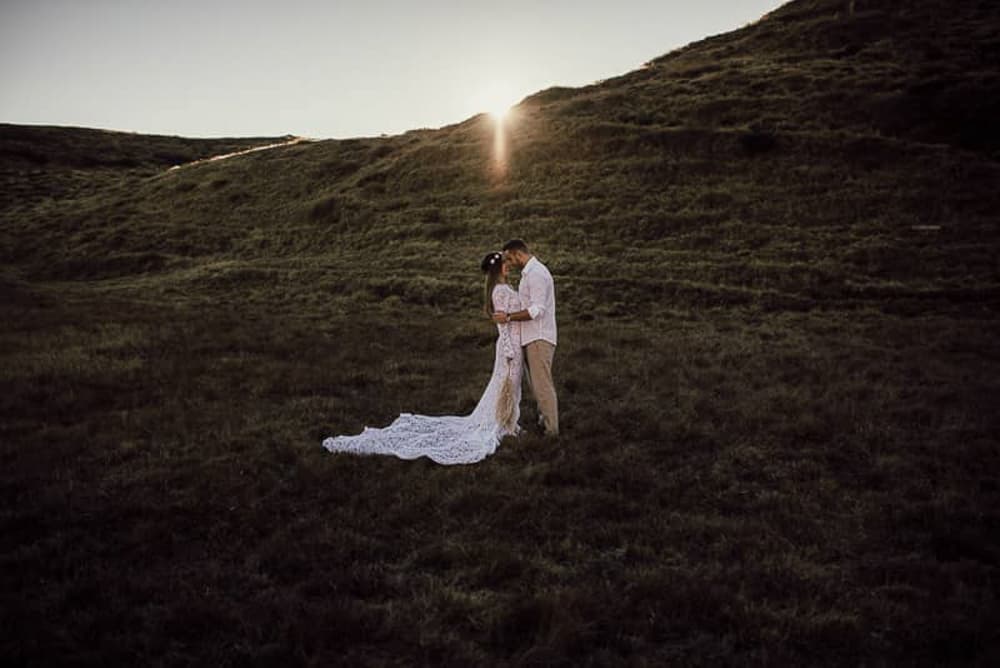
516,245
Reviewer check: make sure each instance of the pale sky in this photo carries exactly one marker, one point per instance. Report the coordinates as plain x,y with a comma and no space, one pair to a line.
212,68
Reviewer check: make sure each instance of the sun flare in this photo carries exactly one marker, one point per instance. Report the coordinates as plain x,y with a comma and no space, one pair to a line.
500,112
497,99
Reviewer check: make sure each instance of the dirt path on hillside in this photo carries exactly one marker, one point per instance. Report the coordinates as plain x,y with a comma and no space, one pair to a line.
226,156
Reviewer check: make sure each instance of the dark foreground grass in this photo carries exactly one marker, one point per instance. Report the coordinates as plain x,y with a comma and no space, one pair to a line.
732,486
776,257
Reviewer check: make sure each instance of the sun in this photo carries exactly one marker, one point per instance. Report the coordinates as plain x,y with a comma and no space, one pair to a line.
500,112
497,99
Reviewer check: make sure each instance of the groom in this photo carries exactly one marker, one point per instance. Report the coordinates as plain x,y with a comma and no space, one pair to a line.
538,329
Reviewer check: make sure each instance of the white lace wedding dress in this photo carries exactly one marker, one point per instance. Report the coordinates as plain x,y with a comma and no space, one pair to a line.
452,439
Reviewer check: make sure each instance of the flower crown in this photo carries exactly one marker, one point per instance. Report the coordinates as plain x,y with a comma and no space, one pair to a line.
491,260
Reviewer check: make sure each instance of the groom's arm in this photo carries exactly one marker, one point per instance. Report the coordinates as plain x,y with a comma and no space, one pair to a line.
534,310
516,316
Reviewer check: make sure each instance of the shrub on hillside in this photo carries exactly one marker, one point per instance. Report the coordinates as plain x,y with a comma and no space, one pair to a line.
757,142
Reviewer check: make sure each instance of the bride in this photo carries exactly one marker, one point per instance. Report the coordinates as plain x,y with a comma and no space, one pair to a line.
452,439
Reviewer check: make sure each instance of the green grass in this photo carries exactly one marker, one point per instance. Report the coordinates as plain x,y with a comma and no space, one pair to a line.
778,390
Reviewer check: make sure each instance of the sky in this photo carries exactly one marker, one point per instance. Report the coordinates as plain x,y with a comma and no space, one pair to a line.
334,69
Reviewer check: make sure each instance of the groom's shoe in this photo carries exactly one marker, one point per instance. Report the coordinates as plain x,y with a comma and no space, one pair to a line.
548,433
541,427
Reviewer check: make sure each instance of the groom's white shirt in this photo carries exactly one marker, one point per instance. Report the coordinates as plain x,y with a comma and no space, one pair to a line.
538,295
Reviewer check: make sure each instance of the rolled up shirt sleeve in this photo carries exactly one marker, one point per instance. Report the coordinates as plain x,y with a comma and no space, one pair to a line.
539,295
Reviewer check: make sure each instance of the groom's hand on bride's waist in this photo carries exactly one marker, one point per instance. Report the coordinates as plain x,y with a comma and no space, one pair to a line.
500,317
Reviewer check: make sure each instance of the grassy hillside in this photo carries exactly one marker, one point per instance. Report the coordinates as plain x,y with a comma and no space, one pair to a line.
776,257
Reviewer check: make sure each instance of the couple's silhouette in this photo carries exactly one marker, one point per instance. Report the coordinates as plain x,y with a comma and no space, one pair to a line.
526,340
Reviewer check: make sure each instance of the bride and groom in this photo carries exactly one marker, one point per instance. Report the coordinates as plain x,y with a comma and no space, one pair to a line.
526,341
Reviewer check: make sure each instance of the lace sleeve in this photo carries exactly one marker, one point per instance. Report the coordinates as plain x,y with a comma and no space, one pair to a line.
501,302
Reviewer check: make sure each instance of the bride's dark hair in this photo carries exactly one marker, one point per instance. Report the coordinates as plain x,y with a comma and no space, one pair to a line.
491,266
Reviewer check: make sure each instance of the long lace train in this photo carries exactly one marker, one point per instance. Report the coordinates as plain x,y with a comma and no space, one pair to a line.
452,439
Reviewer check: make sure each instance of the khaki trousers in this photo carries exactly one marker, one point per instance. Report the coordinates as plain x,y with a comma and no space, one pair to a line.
538,371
